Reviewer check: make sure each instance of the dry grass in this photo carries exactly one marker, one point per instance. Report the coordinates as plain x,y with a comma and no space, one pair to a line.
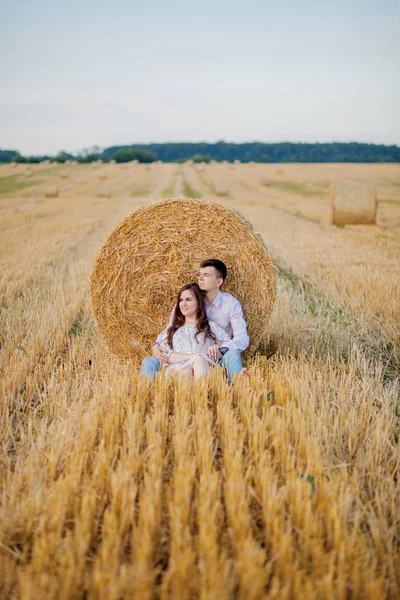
115,488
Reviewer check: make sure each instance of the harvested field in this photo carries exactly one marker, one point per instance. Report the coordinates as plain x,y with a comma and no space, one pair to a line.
282,487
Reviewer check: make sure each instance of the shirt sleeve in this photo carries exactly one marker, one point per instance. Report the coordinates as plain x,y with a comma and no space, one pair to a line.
240,339
219,333
163,335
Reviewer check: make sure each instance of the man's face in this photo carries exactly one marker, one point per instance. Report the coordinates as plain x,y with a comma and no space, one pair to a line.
208,279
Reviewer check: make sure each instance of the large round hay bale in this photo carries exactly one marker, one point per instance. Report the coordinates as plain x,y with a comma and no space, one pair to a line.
104,192
221,190
353,204
156,250
266,181
51,192
64,174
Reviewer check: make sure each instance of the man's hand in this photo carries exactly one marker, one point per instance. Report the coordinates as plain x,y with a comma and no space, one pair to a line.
214,352
159,352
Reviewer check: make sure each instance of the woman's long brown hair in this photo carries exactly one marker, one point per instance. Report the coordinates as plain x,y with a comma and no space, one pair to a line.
202,322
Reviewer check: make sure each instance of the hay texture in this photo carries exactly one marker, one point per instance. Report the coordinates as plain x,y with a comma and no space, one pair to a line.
156,250
353,204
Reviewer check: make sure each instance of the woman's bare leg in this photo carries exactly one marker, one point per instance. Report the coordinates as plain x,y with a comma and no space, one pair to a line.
245,373
186,373
201,366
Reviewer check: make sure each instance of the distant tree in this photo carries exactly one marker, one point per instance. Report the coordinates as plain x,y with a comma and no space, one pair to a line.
7,156
89,158
129,154
198,158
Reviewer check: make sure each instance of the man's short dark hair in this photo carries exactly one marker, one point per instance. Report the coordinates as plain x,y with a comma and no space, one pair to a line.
218,265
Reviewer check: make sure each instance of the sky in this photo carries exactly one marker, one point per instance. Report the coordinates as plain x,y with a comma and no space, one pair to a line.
84,73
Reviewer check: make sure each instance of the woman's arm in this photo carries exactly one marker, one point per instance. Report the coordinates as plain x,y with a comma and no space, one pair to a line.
176,357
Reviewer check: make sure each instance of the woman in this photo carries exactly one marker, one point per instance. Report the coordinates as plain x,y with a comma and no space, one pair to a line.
191,335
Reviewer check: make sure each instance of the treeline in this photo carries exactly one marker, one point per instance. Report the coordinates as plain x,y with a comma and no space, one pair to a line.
351,152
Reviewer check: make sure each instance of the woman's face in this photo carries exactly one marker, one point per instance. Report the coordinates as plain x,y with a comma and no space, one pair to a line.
188,304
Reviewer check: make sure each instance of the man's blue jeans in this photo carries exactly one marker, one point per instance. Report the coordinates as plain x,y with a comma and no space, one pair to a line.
231,361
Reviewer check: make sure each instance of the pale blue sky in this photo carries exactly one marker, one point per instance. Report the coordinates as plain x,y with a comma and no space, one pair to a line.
81,73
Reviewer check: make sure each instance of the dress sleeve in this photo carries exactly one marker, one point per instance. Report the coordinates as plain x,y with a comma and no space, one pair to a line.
219,333
162,340
159,339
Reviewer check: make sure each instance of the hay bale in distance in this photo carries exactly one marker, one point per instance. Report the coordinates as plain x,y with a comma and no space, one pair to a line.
103,176
237,162
28,173
353,204
266,181
221,190
13,165
104,192
51,192
156,250
64,175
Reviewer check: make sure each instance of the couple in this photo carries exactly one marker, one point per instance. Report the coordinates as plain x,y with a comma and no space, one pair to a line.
206,327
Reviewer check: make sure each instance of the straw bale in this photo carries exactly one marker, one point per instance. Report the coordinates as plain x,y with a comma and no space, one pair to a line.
103,176
13,165
221,190
156,250
51,192
104,192
64,175
266,181
113,161
237,162
28,173
175,172
67,162
353,204
279,172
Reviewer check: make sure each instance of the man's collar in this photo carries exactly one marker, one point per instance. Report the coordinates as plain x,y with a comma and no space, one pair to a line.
217,300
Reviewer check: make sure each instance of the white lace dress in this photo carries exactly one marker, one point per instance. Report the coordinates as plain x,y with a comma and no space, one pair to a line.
184,341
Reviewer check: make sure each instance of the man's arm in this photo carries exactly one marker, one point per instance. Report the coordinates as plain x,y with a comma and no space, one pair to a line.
240,340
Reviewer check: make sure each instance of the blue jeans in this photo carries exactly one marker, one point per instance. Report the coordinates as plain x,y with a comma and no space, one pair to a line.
231,361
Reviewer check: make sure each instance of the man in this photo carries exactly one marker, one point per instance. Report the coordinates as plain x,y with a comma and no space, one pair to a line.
223,309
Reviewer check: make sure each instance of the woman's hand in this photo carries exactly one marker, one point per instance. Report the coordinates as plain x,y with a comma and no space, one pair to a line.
214,352
160,353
